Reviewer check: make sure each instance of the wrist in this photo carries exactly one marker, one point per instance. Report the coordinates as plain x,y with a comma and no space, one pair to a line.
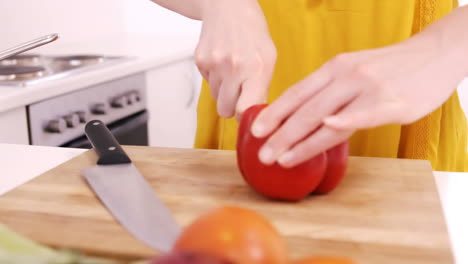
452,53
203,7
208,7
447,40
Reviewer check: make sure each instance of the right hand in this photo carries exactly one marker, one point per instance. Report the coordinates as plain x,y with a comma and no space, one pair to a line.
235,54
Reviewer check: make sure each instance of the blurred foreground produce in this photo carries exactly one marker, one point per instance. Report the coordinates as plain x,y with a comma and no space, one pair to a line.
15,249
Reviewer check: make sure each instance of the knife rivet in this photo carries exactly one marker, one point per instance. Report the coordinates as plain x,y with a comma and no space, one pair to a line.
111,148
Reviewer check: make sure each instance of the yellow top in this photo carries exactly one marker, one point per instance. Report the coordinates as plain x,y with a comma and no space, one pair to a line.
307,33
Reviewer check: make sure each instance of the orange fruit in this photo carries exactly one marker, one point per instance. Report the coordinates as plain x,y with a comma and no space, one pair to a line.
239,235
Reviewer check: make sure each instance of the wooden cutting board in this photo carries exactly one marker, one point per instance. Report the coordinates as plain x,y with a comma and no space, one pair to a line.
385,210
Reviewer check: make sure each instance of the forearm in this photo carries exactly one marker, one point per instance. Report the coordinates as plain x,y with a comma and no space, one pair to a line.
449,38
189,8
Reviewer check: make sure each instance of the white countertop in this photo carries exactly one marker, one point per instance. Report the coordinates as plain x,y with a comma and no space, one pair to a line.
452,187
147,51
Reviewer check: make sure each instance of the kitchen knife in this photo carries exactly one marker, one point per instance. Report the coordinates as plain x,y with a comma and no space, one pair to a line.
126,193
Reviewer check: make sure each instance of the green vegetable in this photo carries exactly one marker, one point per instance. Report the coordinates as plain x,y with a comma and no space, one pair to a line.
15,249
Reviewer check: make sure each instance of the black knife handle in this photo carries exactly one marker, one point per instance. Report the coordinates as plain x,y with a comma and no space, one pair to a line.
105,144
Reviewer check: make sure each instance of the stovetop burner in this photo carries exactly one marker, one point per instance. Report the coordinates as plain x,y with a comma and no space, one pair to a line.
79,60
27,69
22,59
16,72
79,57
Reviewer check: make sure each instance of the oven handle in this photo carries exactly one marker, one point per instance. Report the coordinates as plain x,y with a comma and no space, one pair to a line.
117,128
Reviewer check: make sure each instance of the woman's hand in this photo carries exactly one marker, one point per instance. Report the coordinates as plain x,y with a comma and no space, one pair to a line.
235,54
397,84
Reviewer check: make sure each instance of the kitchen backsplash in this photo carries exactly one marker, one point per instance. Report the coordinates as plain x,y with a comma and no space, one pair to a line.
146,16
23,20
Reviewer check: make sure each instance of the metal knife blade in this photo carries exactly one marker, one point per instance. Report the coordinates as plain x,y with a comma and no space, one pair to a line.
126,193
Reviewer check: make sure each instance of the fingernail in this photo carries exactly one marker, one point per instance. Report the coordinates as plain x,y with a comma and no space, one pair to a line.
258,130
266,155
286,159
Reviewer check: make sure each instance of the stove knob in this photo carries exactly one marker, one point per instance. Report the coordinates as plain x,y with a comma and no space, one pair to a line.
133,97
56,125
99,109
82,115
119,102
72,120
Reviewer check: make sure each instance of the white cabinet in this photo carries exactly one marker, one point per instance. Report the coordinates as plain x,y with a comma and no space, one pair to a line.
14,126
173,91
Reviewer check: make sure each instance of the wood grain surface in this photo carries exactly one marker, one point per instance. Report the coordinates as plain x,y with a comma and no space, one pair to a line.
385,210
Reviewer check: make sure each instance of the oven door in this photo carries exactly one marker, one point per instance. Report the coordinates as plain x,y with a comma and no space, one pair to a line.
132,130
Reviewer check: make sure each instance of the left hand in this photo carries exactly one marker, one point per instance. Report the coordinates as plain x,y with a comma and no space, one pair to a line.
396,84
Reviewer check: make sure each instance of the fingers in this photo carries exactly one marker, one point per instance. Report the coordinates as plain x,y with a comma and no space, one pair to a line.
237,86
255,88
271,117
238,72
307,119
362,113
214,79
201,59
318,142
228,95
223,78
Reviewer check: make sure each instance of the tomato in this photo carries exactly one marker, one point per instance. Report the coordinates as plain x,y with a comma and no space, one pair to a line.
238,235
337,162
274,181
325,260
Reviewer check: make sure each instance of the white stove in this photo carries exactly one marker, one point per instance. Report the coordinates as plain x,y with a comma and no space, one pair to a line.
59,121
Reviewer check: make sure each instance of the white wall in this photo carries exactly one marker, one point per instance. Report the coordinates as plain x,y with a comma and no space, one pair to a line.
23,20
146,16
